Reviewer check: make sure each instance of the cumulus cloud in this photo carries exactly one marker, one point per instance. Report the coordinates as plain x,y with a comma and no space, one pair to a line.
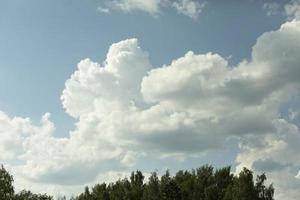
126,109
179,108
275,154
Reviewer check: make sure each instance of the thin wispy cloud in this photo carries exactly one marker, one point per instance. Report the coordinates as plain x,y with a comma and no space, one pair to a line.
292,9
189,8
272,8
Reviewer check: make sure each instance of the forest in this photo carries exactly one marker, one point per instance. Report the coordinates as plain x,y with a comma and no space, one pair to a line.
203,183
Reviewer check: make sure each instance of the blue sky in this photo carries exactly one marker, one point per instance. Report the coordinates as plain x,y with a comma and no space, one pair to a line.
42,42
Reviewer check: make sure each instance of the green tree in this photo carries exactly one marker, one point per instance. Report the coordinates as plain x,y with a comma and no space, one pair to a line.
186,182
100,192
223,179
201,184
6,185
27,195
86,195
204,179
152,189
242,187
137,185
117,190
169,188
263,192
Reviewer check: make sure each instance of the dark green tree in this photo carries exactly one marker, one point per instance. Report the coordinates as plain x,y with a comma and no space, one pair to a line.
137,185
204,179
263,192
204,183
152,190
27,195
222,178
117,190
186,182
6,185
169,188
86,195
100,192
242,187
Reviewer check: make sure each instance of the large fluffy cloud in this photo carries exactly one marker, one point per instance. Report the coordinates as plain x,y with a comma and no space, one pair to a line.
127,110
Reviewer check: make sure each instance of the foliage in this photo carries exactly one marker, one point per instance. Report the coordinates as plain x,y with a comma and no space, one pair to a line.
27,195
6,189
204,183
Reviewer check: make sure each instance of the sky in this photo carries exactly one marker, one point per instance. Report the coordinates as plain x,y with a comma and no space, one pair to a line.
91,90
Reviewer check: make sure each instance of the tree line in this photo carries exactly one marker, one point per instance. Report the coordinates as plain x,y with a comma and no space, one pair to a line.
203,183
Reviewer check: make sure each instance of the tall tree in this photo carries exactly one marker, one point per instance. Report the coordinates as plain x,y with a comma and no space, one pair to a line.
152,189
242,187
222,178
6,185
117,190
137,185
204,183
169,188
86,195
204,179
100,192
263,192
186,182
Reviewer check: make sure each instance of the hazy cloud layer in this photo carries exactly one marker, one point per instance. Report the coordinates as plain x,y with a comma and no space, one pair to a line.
127,110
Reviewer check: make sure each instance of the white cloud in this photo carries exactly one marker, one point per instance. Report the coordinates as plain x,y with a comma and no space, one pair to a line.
119,80
292,114
292,9
150,6
192,105
126,109
280,151
103,10
190,8
11,131
272,8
